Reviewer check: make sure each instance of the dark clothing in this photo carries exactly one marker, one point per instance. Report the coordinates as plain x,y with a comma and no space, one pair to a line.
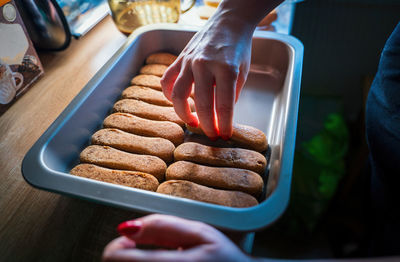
383,137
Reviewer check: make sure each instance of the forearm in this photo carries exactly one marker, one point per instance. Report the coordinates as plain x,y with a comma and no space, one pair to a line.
244,14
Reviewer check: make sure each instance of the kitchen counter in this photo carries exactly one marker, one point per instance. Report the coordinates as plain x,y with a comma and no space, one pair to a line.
38,225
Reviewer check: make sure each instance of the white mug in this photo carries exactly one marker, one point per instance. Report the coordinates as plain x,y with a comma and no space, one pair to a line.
8,86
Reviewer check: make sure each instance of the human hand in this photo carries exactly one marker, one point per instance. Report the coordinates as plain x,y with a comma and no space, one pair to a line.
217,61
187,241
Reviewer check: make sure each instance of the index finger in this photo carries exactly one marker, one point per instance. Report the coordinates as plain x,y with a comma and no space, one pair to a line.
204,101
180,94
169,78
173,232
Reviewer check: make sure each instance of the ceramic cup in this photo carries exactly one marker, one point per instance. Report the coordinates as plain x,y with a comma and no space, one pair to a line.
8,83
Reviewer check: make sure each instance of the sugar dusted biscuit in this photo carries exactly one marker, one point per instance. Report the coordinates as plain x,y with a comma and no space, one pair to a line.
154,69
106,156
128,142
150,96
218,177
223,157
147,80
145,127
161,58
120,177
147,95
187,189
151,81
149,111
244,136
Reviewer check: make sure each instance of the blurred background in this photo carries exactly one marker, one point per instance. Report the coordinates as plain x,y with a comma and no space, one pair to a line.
328,211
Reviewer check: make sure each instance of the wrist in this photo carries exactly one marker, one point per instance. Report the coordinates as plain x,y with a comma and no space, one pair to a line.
249,12
228,20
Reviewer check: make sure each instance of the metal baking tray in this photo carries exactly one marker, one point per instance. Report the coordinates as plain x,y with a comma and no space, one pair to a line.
269,102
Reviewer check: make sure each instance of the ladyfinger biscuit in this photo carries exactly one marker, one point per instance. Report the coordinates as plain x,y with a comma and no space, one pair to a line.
131,143
147,80
145,127
154,69
120,177
150,96
161,58
219,177
106,156
152,82
224,157
149,111
187,189
147,95
244,136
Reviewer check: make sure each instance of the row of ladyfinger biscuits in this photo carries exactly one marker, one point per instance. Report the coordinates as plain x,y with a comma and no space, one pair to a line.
139,138
184,178
133,150
179,188
224,162
135,103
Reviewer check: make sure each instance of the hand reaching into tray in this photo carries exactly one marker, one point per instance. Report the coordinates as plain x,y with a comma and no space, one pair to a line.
217,61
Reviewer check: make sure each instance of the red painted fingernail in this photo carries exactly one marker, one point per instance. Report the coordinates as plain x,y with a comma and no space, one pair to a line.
129,228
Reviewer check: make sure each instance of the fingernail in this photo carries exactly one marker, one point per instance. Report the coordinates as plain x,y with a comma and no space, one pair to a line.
214,138
129,228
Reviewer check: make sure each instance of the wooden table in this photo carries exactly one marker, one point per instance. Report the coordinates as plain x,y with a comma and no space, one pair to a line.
36,225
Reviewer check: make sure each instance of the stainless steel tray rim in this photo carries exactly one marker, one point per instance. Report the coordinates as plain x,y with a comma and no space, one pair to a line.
256,217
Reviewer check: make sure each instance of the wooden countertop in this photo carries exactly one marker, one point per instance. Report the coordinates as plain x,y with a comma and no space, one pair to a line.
37,225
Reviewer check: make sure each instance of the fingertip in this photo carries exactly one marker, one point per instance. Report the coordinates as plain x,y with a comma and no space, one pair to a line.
208,122
226,131
224,137
212,135
194,122
127,242
225,128
182,109
116,245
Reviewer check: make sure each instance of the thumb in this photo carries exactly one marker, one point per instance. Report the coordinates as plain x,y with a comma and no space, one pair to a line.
168,231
